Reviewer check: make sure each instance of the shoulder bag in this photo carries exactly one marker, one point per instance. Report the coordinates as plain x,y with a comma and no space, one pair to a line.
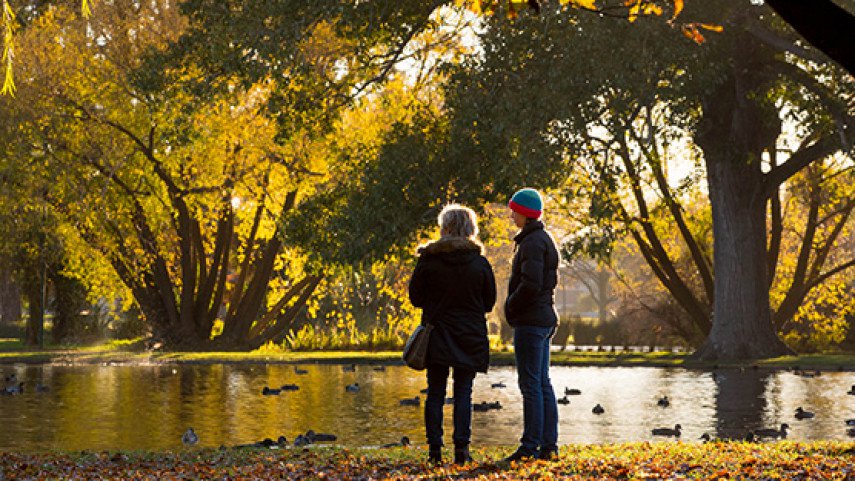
415,350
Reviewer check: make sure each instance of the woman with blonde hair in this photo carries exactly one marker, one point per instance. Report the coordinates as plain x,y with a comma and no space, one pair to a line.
453,283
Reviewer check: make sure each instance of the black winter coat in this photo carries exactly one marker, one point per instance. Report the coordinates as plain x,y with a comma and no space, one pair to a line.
453,268
534,275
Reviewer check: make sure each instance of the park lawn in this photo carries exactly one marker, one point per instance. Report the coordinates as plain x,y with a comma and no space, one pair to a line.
823,460
132,352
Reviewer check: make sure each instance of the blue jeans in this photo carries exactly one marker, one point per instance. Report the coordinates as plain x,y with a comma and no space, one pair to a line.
540,411
437,377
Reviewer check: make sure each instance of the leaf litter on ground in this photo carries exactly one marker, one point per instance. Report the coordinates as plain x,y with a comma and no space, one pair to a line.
785,460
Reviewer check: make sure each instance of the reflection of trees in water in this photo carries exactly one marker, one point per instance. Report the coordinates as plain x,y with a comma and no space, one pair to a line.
740,401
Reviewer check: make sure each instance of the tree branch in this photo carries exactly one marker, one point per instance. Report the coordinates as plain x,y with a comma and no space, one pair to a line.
798,161
824,24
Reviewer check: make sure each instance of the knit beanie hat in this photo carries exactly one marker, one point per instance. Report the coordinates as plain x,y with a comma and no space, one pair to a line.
527,202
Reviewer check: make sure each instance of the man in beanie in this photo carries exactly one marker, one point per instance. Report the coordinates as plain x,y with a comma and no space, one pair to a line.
530,310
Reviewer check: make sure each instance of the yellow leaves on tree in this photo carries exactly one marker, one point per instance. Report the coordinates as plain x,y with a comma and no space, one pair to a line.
8,51
634,9
584,4
85,7
8,23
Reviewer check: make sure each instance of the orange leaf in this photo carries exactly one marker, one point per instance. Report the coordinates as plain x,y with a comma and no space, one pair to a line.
690,30
678,7
713,27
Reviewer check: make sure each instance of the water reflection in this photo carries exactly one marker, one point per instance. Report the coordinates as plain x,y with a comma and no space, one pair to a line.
740,402
149,407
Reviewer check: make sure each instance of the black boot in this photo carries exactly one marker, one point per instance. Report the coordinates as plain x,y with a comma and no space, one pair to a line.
548,454
435,454
461,454
520,455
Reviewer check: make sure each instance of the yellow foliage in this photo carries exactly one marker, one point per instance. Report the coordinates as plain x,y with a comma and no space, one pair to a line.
8,17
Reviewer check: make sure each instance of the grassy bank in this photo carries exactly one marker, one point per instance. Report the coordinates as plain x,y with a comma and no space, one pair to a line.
129,352
784,460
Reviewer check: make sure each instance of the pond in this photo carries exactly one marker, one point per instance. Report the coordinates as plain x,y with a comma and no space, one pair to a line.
149,407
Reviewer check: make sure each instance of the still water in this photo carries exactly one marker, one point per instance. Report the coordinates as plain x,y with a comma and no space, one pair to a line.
149,407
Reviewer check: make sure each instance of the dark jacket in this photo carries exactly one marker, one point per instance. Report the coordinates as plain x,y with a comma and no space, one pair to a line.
453,268
534,275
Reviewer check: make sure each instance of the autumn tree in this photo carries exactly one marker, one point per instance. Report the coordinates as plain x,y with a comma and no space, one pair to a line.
176,194
556,94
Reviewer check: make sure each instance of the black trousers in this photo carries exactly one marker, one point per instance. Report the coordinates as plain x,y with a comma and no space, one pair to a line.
437,378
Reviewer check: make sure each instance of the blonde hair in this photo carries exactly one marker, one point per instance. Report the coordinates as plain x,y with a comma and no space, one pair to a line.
458,221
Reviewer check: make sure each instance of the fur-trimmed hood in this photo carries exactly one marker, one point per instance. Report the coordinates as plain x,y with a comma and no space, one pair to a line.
451,244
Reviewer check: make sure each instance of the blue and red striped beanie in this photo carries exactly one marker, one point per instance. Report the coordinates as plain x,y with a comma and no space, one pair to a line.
527,202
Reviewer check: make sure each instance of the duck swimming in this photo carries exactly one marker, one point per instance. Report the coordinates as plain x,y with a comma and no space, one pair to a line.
405,441
266,391
484,406
773,433
19,389
663,401
189,437
572,391
598,409
668,431
498,385
352,387
802,414
410,401
290,387
314,437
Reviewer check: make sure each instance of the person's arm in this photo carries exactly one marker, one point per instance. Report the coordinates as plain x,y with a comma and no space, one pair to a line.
531,276
417,285
489,289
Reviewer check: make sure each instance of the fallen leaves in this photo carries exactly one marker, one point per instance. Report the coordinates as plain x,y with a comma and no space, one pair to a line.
784,460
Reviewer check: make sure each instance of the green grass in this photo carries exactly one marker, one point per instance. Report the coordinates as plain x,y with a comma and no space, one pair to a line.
284,357
664,460
131,351
10,345
819,361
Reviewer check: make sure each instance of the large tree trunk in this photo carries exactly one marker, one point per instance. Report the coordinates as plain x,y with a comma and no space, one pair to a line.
742,320
69,300
10,298
733,132
35,320
604,294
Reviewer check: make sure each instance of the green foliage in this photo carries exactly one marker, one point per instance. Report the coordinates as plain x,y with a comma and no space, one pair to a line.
343,337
